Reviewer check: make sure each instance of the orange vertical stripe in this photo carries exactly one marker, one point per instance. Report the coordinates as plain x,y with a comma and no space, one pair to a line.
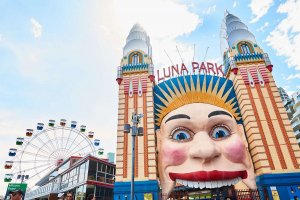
136,153
263,137
146,170
271,127
282,128
125,151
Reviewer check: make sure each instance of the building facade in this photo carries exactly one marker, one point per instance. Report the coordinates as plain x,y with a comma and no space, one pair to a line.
292,106
272,144
135,78
295,118
284,96
80,176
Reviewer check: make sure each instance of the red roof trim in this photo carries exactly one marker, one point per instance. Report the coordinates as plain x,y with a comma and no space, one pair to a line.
100,184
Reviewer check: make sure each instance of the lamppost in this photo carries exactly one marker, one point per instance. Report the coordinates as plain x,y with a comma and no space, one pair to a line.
135,131
22,177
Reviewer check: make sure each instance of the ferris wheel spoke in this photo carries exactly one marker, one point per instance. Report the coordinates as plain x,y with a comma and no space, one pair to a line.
30,161
45,145
62,138
40,166
33,168
76,146
74,140
67,142
71,152
81,149
33,154
57,145
50,140
51,167
36,147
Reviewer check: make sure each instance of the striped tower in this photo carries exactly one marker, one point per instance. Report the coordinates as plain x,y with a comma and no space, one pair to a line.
271,141
135,78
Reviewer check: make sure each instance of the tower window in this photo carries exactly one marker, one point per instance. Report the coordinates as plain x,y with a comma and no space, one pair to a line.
135,59
245,49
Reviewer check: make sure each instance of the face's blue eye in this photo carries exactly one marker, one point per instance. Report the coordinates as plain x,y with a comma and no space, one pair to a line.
181,134
220,133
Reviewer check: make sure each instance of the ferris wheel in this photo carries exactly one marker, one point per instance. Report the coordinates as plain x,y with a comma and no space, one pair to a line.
45,148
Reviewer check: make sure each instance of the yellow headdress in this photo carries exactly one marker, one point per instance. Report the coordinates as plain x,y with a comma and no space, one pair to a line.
176,92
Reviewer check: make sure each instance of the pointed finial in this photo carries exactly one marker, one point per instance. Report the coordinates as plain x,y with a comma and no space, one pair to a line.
226,13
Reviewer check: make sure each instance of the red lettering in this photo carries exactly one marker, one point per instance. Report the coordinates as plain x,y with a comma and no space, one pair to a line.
158,78
175,69
210,66
219,69
195,66
203,67
183,68
166,76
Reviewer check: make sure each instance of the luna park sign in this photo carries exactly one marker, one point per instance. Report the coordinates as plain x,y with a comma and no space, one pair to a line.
194,68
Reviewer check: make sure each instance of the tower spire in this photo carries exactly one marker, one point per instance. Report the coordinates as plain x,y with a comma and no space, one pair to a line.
236,30
137,39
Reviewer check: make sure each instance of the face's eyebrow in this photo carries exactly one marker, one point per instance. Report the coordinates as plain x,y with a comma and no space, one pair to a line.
218,112
179,116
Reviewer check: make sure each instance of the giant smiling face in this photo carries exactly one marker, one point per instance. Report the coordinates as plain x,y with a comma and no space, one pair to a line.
201,145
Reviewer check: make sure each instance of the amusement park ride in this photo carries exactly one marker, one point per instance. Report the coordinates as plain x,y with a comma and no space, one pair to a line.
45,148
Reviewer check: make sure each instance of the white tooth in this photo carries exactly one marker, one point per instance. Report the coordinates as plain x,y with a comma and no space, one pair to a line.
220,184
190,183
179,181
195,184
225,182
229,182
201,185
214,184
185,183
208,184
236,180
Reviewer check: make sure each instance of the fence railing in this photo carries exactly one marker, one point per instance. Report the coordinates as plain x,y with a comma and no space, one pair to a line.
230,194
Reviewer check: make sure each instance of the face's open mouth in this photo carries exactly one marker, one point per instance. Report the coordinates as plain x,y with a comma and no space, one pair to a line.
208,179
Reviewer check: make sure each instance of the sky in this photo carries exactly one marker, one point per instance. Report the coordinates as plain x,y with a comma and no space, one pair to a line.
59,59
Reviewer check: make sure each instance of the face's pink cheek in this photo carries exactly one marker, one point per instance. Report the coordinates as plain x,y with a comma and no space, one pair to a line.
234,149
174,154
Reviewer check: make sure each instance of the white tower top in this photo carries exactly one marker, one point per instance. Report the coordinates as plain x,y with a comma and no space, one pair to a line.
235,30
137,40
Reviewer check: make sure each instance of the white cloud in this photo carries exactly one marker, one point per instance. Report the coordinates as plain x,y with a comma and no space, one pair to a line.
162,25
285,38
288,90
104,25
259,8
36,28
235,3
210,10
293,76
263,27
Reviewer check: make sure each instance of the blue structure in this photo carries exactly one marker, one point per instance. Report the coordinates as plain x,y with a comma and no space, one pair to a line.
286,185
141,190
